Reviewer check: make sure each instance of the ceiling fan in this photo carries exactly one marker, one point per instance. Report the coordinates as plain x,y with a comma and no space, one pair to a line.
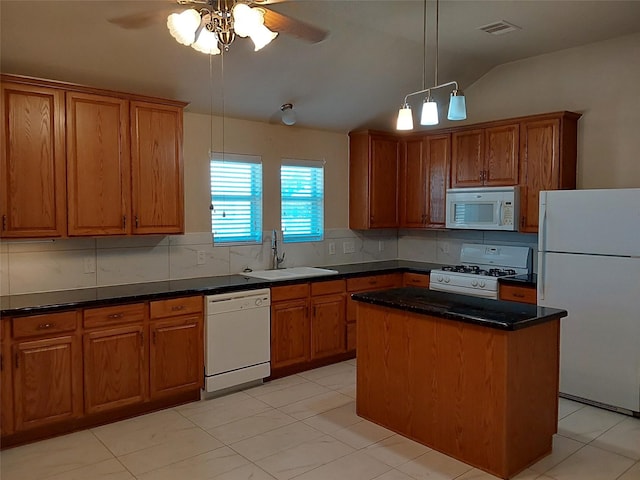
207,25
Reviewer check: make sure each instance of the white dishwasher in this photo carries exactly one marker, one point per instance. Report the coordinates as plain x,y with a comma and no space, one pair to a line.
238,338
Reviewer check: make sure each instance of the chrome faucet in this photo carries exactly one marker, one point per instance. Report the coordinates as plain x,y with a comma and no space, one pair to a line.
276,260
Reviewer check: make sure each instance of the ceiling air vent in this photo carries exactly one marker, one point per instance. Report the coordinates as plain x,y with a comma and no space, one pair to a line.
499,28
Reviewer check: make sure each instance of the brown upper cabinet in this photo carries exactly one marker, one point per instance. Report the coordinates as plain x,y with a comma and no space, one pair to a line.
374,159
548,149
424,179
32,166
537,152
485,156
102,163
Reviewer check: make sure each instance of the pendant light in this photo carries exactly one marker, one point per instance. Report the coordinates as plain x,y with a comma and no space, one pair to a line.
429,114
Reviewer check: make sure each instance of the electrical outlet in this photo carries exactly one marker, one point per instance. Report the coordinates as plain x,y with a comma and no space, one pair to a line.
201,257
348,247
444,246
332,248
89,264
381,245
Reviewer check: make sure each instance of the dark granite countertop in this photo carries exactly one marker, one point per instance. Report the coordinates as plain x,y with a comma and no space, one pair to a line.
479,311
530,280
37,303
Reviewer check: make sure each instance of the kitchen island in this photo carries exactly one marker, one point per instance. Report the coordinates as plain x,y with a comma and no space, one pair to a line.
473,378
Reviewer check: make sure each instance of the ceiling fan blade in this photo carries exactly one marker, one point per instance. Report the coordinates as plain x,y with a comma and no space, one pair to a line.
283,24
146,18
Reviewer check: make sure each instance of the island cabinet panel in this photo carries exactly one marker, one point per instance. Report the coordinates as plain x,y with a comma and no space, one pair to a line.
487,397
32,163
157,173
373,180
98,164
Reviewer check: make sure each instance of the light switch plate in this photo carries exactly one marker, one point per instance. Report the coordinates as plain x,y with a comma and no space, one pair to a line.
348,247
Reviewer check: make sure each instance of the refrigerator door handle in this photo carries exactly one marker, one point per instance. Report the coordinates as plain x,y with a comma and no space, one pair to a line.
542,244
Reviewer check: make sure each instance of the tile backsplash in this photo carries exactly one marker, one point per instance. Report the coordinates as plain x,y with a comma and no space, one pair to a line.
40,266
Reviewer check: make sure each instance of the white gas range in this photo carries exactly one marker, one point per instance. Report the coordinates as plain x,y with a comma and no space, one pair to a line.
479,269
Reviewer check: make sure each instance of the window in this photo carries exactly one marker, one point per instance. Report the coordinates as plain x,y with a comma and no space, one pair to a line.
236,198
302,193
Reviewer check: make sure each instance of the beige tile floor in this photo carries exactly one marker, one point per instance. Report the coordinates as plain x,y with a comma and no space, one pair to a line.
304,427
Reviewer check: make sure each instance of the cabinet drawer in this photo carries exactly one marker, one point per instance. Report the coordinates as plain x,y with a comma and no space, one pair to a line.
372,283
116,315
176,306
515,293
416,280
326,288
289,292
44,324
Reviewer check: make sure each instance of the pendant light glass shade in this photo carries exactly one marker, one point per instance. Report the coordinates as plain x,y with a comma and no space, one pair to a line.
405,118
288,115
429,112
457,106
183,26
249,22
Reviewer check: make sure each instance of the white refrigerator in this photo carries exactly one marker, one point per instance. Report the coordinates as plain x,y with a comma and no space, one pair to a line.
589,265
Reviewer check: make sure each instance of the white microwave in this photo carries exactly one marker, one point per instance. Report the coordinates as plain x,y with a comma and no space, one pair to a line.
483,208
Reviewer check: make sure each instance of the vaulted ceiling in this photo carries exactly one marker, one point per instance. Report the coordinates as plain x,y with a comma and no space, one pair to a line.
357,77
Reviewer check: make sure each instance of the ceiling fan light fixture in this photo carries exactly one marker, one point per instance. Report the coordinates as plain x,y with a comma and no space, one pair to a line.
249,22
262,37
457,106
207,42
183,26
429,114
288,115
405,118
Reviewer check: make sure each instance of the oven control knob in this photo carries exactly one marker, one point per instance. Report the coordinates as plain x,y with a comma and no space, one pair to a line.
258,302
474,283
447,279
482,284
440,278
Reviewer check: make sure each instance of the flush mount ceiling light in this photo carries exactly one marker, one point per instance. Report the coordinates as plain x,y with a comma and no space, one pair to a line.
288,115
216,26
429,116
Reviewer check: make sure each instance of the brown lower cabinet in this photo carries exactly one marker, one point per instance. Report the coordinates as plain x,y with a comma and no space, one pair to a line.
365,284
517,293
307,326
75,369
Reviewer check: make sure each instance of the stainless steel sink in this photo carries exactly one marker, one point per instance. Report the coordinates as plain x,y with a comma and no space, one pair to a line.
290,273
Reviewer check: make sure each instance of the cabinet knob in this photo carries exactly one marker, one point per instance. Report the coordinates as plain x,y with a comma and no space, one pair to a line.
4,222
518,295
177,308
114,316
45,326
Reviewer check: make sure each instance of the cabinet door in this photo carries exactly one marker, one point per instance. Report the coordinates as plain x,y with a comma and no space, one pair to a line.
328,334
384,182
501,155
413,184
176,355
438,152
32,167
98,164
47,381
157,177
467,158
290,328
115,368
540,153
6,389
